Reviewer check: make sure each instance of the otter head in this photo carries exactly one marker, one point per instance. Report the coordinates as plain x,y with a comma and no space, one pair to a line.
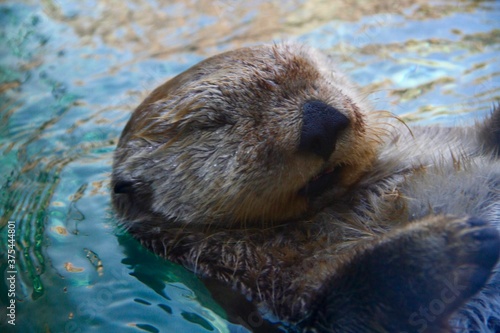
255,135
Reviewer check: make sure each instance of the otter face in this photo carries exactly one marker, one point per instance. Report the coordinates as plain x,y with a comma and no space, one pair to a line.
248,136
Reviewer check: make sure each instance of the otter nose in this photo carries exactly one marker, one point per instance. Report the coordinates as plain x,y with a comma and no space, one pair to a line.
321,125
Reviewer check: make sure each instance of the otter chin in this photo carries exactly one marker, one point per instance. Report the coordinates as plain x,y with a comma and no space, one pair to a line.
266,172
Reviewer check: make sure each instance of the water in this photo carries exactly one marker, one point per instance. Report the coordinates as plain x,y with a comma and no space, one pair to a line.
70,74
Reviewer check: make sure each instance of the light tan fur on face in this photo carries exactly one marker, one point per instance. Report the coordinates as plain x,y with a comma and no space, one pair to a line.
224,135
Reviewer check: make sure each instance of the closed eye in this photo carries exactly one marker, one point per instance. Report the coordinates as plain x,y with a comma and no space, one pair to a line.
211,122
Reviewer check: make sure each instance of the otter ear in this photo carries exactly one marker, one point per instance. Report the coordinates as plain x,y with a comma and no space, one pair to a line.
490,131
123,186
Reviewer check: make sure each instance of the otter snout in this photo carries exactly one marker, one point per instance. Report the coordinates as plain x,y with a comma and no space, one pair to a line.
321,125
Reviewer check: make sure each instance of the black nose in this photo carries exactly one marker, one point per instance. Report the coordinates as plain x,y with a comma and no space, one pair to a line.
321,125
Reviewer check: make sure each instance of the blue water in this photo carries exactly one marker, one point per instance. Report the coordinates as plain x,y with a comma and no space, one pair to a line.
71,73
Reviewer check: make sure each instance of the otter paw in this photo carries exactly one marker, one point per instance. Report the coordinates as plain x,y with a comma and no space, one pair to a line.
474,248
411,280
447,258
470,249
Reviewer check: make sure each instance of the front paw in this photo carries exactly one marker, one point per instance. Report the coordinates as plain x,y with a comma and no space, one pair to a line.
474,247
412,280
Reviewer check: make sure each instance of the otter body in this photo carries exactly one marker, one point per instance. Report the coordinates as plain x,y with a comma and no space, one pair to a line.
263,169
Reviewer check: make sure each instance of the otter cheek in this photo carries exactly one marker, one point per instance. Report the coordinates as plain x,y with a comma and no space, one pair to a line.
266,208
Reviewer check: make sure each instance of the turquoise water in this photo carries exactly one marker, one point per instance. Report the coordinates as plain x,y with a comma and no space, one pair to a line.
71,73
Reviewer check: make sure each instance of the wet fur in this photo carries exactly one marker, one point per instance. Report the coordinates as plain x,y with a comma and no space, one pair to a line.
207,172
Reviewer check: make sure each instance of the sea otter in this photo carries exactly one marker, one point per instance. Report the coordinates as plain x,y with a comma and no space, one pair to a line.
265,170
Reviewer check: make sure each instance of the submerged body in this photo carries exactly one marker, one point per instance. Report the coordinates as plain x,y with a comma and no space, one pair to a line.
263,169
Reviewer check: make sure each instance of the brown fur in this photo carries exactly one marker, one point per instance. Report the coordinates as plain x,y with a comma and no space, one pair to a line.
207,173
